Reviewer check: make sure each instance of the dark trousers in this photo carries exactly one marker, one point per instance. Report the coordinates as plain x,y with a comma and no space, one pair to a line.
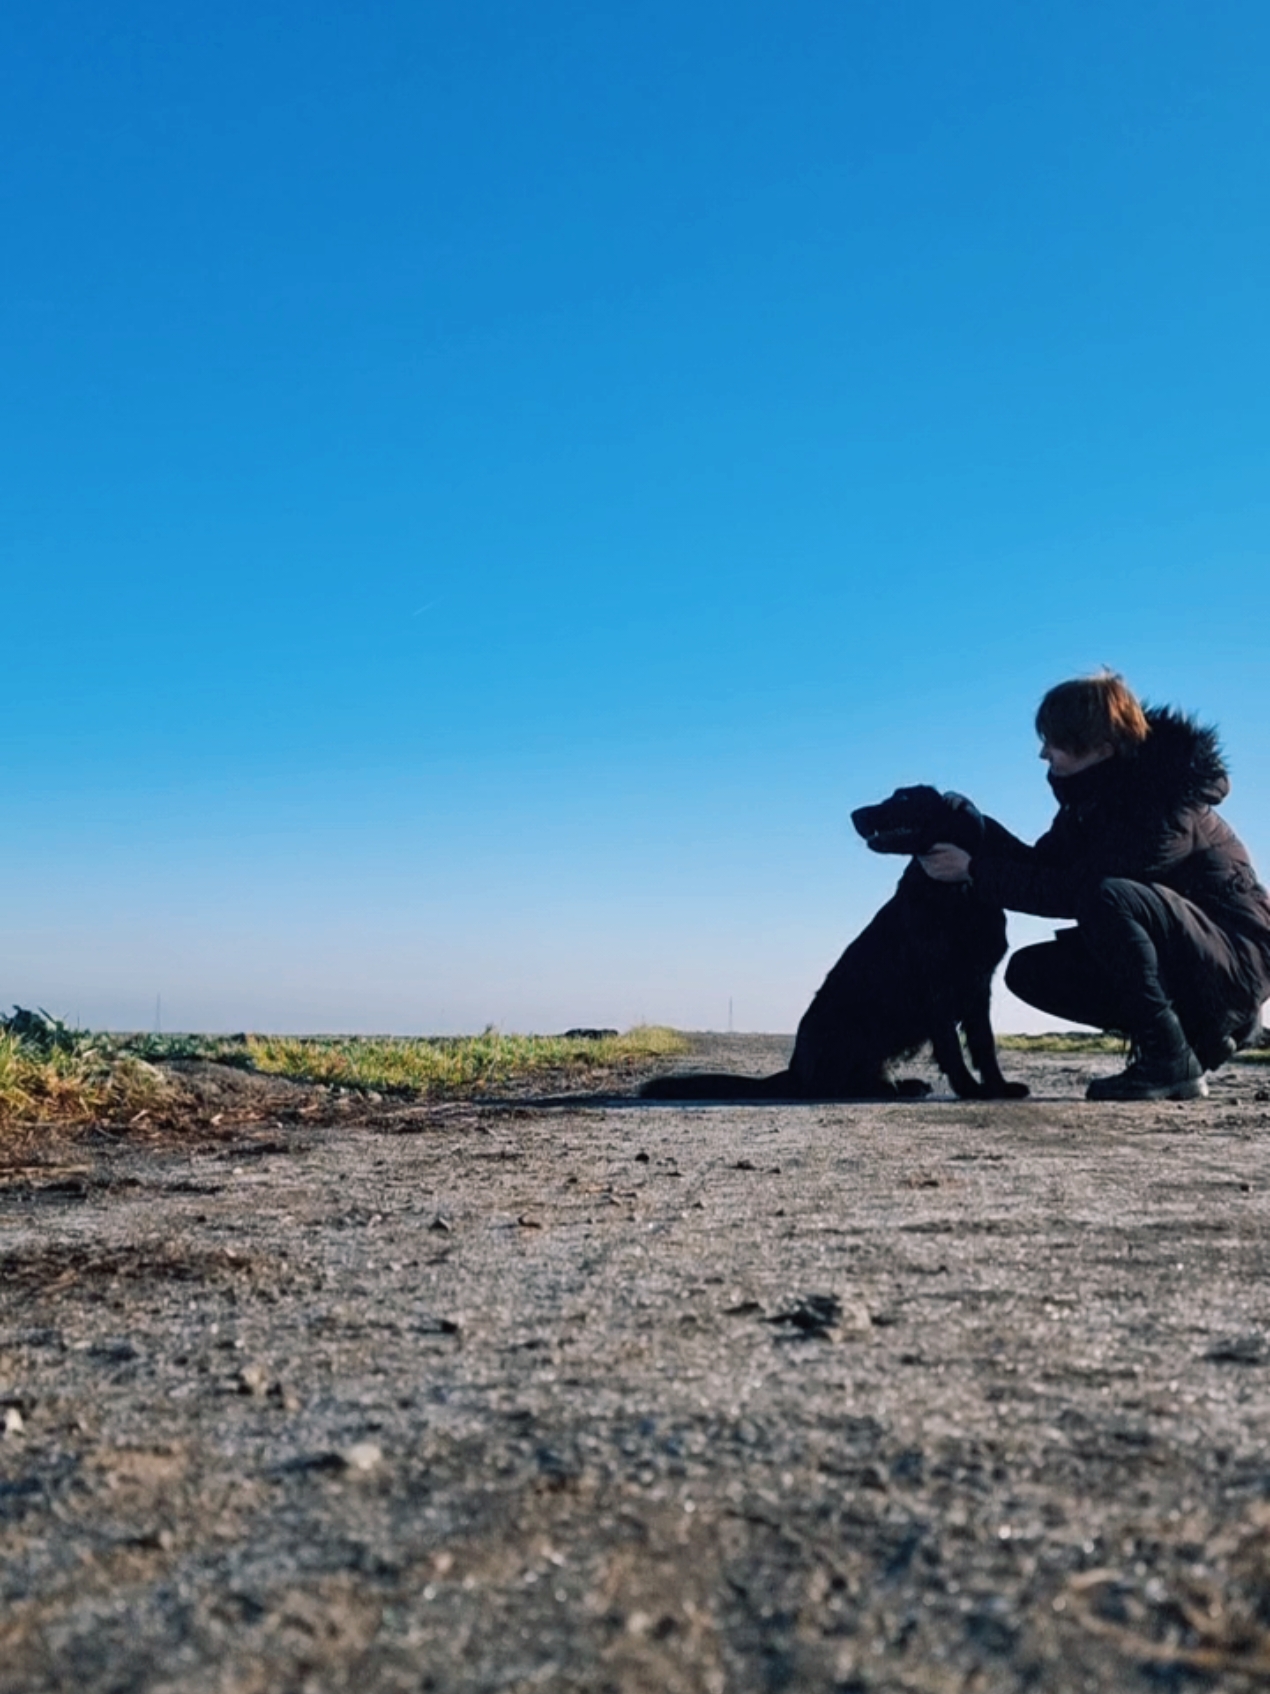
1140,949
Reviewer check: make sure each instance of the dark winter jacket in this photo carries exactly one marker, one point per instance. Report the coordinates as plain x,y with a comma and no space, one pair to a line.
1147,816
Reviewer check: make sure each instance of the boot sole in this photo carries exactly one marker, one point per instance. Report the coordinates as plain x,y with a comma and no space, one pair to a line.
1197,1089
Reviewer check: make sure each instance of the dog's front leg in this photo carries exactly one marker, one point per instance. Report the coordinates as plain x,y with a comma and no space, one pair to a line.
951,1060
983,1056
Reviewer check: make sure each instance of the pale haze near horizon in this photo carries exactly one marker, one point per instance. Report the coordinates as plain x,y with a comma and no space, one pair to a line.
485,502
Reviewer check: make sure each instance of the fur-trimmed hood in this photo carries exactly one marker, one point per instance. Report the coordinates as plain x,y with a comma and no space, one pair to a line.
1182,760
1178,768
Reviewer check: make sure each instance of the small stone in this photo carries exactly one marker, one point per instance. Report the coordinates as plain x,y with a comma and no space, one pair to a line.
855,1320
362,1456
1250,1349
251,1379
115,1350
811,1315
13,1422
442,1223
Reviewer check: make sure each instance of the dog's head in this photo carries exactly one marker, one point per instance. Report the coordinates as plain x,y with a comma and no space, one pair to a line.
912,820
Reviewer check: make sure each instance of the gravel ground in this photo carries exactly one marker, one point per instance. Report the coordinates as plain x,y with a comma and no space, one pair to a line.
613,1395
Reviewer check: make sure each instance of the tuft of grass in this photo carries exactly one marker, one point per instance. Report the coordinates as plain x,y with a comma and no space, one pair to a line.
65,1085
441,1065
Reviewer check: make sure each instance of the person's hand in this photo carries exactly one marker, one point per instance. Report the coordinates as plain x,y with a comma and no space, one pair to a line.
946,863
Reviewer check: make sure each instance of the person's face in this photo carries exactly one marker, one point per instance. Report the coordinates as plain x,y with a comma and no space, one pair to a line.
1064,763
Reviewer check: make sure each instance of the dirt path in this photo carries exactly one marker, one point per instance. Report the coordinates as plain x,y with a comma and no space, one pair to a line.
499,1397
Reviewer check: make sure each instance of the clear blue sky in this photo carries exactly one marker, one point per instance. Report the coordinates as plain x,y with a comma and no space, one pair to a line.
488,486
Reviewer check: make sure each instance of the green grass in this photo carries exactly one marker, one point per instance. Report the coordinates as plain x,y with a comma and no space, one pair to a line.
66,1085
453,1065
49,1072
1062,1041
1080,1041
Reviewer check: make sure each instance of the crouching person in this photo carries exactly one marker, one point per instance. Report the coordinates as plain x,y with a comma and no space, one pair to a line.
1172,940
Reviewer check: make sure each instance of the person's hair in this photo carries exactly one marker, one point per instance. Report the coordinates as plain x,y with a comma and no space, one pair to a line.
1091,711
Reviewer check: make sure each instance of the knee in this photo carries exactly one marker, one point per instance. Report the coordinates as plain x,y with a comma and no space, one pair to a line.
1115,897
1118,891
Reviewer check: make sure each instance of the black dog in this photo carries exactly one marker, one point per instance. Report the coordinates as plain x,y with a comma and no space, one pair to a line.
920,969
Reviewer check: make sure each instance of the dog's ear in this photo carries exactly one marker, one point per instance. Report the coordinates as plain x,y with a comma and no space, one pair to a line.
916,794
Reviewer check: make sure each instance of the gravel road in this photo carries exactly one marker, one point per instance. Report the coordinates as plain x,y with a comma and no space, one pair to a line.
612,1395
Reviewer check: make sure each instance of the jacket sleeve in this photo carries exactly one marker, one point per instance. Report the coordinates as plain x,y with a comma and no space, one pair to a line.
1025,879
1049,879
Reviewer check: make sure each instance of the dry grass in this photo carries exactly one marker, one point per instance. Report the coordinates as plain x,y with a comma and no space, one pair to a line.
1062,1041
72,1078
1082,1041
1207,1614
68,1086
468,1064
55,1265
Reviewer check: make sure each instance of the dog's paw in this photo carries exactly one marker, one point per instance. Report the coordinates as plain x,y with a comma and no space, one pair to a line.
971,1090
1007,1091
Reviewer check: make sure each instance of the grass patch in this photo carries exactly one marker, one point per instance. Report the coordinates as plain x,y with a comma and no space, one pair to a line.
52,1073
68,1086
1062,1041
1081,1041
469,1064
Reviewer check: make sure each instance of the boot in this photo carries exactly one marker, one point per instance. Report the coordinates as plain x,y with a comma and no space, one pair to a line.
1213,1050
1162,1067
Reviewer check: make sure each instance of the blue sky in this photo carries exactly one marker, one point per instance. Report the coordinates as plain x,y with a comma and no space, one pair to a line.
488,487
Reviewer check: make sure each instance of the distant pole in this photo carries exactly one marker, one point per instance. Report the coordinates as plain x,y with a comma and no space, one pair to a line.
729,1014
158,1014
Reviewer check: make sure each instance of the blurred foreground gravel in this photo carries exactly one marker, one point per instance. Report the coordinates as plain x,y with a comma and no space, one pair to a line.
622,1396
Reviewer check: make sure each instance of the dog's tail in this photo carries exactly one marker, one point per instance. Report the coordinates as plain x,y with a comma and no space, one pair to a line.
718,1085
